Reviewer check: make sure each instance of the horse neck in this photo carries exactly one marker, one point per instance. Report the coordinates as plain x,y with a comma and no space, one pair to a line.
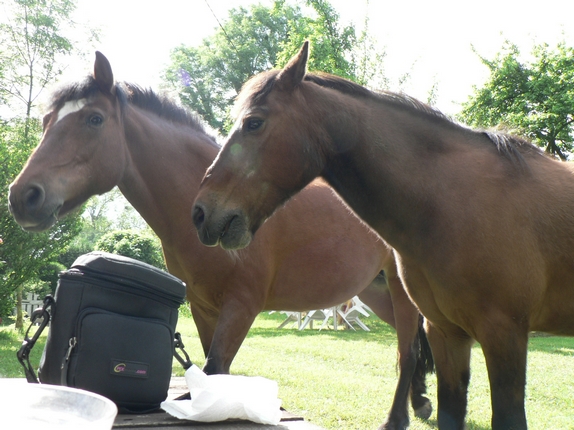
166,164
388,163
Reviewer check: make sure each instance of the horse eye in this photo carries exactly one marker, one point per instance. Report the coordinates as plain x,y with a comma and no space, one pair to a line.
95,120
253,124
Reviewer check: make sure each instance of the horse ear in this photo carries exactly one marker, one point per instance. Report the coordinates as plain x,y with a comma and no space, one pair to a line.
294,72
103,73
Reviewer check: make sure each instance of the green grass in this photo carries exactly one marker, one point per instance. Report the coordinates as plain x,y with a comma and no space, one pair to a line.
10,342
346,380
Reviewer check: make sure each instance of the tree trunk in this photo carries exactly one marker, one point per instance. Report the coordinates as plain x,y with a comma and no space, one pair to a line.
19,317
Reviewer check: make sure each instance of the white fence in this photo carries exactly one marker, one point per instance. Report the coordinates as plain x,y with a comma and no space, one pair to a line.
31,302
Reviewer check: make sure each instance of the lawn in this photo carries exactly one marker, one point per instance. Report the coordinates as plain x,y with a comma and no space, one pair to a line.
346,380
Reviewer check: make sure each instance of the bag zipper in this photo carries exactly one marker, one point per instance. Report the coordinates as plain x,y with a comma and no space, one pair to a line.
66,362
131,286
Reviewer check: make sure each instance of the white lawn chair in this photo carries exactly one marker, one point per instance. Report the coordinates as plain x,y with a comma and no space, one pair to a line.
353,313
322,315
358,302
292,317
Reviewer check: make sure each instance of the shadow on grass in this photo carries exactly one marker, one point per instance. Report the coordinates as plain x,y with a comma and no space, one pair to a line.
380,331
341,335
470,425
552,344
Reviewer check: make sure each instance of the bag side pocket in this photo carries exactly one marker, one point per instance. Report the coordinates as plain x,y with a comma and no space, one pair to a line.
124,358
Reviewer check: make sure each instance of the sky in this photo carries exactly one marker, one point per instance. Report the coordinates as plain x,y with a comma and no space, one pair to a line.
433,40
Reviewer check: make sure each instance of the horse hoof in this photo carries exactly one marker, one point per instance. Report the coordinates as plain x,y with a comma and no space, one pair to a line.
425,411
389,425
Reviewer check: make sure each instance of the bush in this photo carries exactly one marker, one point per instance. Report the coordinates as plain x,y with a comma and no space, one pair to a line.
133,244
7,305
48,274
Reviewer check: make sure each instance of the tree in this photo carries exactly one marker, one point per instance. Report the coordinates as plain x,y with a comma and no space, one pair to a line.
209,77
24,254
31,49
534,98
332,46
48,276
134,244
32,43
369,61
249,40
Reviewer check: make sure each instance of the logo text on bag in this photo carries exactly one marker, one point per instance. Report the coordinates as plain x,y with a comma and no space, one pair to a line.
131,369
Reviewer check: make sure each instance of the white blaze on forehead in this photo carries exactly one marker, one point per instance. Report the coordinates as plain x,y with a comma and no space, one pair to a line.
70,107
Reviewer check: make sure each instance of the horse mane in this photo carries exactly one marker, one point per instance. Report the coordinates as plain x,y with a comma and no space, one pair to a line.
511,147
260,86
161,105
399,100
128,93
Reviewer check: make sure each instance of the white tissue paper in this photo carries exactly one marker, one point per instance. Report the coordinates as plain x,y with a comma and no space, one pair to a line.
221,397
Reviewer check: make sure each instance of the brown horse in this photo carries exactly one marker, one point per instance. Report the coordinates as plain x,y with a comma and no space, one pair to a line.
100,134
482,223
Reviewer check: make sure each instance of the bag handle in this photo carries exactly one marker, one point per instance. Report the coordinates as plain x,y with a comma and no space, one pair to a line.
186,363
23,353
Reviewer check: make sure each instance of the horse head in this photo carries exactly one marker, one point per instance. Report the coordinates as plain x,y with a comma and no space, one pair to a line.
259,166
79,155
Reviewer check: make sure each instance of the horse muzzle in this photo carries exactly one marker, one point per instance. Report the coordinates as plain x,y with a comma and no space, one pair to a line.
30,207
226,228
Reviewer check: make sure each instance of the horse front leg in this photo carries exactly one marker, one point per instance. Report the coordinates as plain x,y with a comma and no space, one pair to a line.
505,351
205,328
232,327
406,317
451,354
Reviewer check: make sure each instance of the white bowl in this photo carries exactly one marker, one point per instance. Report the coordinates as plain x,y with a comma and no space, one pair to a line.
53,407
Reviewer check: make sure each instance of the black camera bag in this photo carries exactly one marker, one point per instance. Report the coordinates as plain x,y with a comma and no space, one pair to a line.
112,331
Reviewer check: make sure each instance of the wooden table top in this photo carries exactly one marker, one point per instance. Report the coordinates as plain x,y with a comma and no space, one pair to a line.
161,420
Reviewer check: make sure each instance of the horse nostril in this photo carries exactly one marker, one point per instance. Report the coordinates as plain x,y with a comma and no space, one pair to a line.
198,216
34,197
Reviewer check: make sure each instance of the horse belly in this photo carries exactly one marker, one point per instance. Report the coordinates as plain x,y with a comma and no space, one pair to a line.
323,261
324,274
556,312
420,291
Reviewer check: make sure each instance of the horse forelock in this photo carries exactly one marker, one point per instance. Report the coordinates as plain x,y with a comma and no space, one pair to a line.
254,91
73,91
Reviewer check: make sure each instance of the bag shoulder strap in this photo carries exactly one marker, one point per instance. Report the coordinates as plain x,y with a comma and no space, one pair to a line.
23,353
